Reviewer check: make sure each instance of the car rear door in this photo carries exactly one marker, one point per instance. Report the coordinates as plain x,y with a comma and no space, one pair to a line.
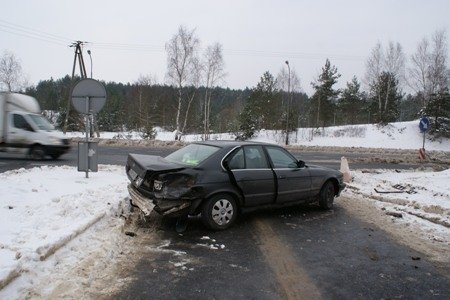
253,175
293,182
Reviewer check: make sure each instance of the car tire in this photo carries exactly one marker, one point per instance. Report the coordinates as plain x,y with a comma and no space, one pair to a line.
219,212
326,196
37,153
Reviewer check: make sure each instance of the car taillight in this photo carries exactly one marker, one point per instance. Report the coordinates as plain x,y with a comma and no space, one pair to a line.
138,181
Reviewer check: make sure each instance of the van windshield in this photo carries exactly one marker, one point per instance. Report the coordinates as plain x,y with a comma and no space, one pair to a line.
41,122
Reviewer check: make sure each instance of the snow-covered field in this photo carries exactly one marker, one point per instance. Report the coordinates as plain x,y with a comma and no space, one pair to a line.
401,135
51,218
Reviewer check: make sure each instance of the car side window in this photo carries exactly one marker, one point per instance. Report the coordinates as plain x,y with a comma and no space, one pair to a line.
281,158
20,122
255,158
237,161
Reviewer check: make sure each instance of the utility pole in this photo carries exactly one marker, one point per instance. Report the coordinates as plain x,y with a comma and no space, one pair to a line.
288,103
78,55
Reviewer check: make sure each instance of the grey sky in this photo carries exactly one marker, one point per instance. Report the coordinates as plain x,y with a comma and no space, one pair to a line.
257,36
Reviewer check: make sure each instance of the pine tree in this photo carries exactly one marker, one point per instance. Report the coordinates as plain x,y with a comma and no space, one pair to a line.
351,103
438,108
323,102
262,108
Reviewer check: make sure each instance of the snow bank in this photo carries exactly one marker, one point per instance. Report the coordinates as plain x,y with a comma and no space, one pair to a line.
41,209
402,135
422,194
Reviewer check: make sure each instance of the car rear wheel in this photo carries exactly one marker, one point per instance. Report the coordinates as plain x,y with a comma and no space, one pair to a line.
326,196
219,212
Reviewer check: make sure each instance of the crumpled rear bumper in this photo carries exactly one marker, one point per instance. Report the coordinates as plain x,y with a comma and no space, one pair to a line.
165,207
137,199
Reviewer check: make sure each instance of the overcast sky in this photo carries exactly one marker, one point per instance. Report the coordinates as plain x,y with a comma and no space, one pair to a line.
127,38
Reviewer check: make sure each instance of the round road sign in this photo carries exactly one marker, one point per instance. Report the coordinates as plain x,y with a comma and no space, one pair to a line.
88,96
424,124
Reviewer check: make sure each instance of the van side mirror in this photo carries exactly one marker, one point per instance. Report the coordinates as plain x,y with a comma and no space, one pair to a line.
301,164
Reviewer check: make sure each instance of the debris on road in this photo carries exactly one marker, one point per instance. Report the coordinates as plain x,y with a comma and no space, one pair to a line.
394,214
388,191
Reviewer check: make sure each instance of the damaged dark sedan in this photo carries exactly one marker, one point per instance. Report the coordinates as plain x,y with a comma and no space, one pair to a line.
219,179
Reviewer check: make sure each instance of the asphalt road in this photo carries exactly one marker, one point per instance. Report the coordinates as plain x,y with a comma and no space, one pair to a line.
118,155
292,253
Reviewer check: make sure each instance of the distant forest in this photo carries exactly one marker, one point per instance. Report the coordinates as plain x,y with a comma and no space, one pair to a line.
141,107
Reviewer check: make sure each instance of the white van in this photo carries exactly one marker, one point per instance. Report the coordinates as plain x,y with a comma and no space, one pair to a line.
24,130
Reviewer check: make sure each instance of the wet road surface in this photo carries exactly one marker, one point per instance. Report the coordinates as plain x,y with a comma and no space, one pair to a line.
291,253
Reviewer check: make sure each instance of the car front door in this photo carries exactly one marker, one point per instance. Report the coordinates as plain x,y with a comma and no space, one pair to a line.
253,175
293,182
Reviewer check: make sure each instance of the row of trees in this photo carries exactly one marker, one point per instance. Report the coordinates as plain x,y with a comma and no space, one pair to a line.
192,100
383,100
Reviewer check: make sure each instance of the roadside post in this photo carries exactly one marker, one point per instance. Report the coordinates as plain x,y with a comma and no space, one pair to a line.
88,97
424,124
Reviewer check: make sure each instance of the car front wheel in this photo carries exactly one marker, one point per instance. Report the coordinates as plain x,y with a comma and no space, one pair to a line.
326,196
219,212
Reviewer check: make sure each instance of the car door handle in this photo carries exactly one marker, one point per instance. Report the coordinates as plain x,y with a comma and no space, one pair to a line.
282,177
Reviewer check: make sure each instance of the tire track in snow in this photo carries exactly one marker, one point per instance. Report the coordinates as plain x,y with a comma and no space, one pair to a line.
293,281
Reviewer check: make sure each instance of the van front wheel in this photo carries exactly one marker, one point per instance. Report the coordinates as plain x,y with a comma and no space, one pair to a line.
37,152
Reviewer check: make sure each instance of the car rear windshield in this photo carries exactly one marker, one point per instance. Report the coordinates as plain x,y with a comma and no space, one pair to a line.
192,155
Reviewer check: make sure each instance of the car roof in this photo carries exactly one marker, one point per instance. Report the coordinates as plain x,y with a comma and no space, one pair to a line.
231,143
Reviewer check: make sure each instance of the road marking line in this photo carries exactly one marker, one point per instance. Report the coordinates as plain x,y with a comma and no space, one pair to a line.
293,281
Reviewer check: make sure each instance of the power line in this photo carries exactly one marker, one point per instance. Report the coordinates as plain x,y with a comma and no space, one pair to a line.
32,33
20,30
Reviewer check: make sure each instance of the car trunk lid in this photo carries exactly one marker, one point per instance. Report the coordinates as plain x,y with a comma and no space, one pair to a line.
143,164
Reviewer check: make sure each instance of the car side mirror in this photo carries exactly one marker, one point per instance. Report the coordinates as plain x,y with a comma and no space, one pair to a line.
301,164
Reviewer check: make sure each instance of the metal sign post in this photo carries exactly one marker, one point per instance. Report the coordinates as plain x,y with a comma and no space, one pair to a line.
88,97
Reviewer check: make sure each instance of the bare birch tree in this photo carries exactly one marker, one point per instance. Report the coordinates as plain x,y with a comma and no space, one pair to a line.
196,77
438,75
391,63
418,73
11,72
143,83
283,79
428,73
181,55
214,73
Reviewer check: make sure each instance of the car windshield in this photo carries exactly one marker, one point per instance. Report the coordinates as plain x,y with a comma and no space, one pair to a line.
192,154
41,122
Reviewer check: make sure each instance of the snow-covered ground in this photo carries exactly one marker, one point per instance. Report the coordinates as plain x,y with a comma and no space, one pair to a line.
422,194
51,218
401,135
44,208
